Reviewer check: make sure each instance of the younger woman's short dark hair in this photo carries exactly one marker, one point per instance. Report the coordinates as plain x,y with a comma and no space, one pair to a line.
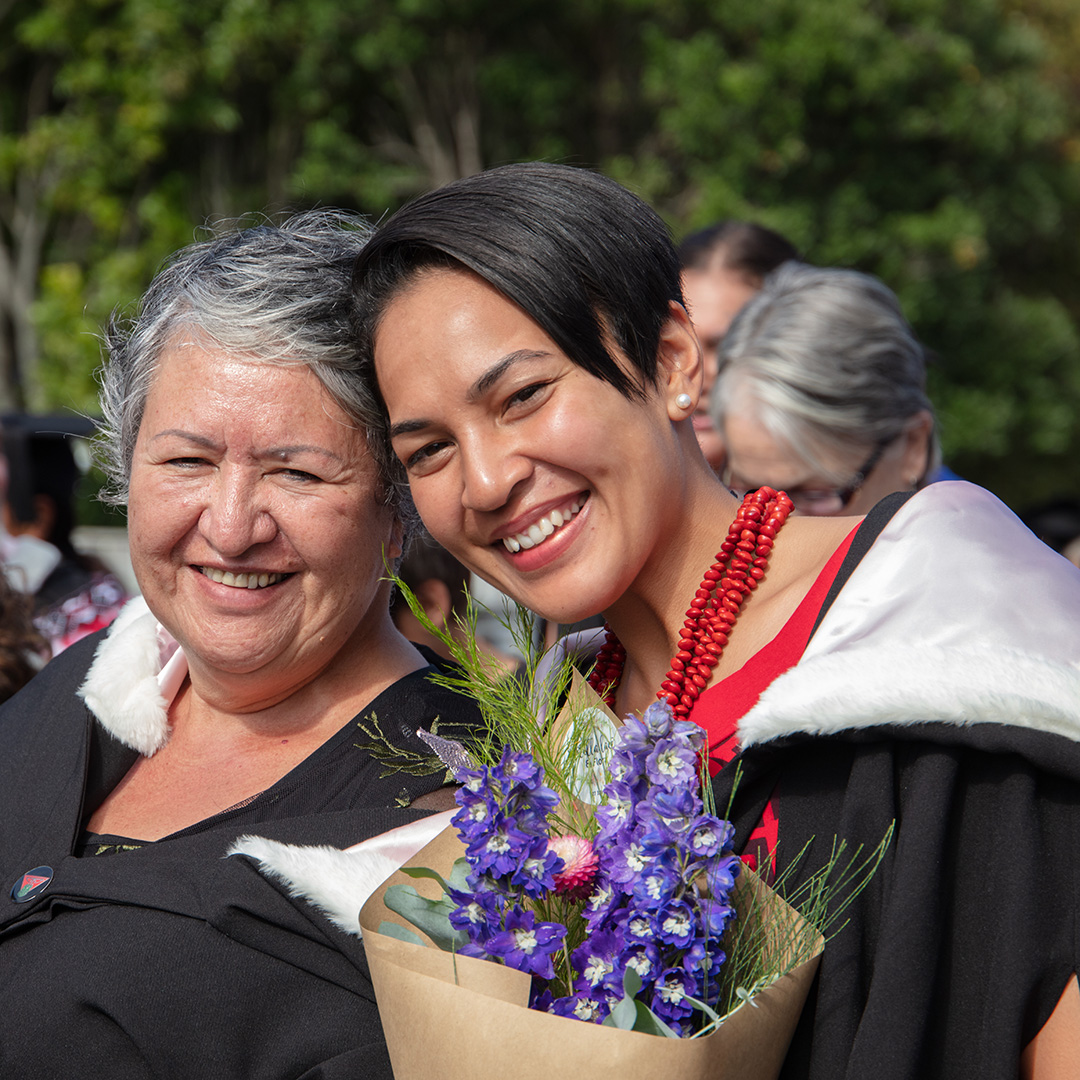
587,260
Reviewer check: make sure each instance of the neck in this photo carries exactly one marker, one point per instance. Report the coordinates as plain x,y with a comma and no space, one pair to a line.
292,700
648,618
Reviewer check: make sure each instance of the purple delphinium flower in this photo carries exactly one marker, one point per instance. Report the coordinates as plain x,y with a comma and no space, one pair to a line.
479,914
659,902
669,996
709,836
598,965
535,873
580,1007
667,871
673,764
676,924
526,944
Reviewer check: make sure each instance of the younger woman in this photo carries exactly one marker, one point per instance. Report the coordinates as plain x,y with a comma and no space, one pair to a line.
525,332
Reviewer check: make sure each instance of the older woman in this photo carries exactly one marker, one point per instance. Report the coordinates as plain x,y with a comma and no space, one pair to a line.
821,391
526,333
242,694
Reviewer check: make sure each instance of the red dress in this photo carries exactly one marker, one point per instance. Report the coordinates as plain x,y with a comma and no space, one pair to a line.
724,704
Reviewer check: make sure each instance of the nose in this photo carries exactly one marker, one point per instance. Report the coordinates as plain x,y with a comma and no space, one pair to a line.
491,469
236,516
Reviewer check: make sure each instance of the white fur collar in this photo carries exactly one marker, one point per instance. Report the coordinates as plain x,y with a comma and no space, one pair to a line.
339,882
956,614
135,674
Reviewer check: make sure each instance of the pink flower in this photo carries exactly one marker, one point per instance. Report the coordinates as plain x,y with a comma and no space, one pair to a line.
579,871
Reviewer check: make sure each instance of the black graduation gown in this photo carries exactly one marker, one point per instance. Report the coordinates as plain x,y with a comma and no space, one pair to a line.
956,954
172,960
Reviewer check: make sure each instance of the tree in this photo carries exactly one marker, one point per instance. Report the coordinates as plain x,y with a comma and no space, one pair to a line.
932,143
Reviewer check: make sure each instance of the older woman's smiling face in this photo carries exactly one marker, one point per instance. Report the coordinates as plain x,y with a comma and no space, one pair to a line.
257,532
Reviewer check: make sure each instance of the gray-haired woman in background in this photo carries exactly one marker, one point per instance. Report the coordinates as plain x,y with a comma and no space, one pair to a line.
821,392
223,703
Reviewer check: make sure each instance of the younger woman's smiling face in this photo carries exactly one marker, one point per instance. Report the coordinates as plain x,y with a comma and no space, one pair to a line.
545,480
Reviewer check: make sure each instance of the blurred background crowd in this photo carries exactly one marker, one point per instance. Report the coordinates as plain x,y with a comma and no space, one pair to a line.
931,144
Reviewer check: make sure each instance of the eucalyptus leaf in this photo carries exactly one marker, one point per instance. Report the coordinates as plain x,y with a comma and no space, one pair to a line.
430,916
459,875
402,933
650,1023
624,1014
424,872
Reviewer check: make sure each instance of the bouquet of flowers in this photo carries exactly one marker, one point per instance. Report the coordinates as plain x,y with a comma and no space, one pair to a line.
632,914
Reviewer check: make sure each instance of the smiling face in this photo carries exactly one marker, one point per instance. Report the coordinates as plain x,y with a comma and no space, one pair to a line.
256,530
543,479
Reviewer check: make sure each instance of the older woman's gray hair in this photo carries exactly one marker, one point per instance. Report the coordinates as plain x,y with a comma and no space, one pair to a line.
271,293
826,361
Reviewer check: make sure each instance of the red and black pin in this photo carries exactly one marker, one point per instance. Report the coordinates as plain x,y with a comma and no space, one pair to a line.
32,884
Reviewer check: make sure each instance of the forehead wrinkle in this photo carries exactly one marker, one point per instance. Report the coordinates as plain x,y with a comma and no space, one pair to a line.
189,436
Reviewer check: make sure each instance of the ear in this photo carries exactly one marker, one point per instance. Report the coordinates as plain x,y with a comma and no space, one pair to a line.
396,545
916,459
679,363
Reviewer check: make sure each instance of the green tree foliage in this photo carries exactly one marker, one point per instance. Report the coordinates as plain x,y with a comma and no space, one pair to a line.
932,142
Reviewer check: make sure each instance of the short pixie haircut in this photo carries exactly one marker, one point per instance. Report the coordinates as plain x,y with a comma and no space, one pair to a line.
270,293
588,262
829,361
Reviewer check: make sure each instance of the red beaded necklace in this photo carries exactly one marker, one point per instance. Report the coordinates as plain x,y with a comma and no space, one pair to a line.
739,566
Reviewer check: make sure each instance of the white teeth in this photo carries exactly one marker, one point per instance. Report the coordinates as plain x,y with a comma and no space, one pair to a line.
545,527
242,581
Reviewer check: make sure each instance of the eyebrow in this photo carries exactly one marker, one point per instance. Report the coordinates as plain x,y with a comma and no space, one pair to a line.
499,369
299,448
278,453
482,385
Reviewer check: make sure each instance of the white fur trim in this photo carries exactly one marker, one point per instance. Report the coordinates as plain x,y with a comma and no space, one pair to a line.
907,685
121,688
338,882
957,614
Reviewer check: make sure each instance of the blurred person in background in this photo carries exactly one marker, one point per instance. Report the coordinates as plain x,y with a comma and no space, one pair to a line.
1057,524
22,649
821,392
73,594
441,586
723,266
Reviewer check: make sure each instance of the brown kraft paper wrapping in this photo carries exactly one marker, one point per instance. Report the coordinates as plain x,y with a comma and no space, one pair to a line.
458,1018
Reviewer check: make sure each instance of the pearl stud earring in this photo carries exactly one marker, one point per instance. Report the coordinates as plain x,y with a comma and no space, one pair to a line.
684,401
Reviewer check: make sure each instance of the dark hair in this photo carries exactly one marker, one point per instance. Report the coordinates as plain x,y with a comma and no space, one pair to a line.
41,462
22,648
748,249
425,560
586,260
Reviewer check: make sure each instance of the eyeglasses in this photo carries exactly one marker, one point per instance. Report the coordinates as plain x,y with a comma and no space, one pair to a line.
822,502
